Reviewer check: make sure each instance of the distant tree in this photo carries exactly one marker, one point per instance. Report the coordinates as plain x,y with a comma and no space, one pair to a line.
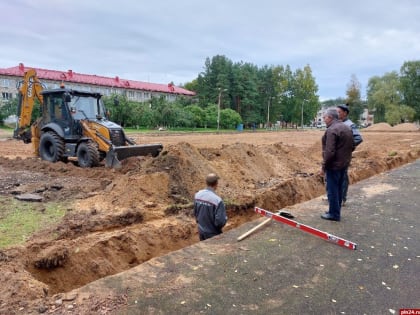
399,114
354,99
410,85
284,92
197,115
7,109
145,116
244,89
216,75
119,108
266,99
333,102
211,115
229,118
383,93
305,93
192,86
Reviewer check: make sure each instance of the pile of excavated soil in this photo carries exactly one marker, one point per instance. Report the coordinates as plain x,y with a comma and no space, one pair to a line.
117,219
379,127
405,127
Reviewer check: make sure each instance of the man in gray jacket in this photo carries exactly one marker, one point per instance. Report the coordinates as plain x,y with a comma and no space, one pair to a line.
337,146
343,112
209,209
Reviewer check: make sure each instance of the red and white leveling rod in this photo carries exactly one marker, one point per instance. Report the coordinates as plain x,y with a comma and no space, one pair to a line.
326,236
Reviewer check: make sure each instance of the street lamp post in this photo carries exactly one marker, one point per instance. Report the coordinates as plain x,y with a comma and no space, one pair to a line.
268,112
301,122
218,107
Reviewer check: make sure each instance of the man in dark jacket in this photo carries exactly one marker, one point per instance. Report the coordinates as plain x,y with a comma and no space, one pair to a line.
337,146
209,209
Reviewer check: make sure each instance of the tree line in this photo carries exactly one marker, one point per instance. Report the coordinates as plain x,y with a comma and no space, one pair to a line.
231,93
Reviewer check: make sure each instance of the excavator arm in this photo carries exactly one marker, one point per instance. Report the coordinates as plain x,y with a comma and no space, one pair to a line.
30,88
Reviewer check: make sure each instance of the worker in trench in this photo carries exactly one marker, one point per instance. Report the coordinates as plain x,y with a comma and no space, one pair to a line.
209,209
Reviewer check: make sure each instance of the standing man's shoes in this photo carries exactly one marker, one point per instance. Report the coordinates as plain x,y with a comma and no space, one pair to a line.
327,216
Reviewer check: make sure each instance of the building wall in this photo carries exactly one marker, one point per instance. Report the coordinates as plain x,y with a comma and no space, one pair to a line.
9,90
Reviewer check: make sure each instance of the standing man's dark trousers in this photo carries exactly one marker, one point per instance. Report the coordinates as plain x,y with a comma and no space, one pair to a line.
335,180
345,185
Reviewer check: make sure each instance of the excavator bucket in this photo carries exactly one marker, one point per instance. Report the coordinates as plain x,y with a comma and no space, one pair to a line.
117,154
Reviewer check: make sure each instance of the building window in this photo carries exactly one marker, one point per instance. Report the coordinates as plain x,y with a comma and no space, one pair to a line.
6,96
131,95
170,97
6,83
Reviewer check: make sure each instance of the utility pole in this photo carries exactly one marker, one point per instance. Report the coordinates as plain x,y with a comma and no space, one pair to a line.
301,122
218,107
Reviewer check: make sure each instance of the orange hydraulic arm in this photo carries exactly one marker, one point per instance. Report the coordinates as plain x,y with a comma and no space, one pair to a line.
30,88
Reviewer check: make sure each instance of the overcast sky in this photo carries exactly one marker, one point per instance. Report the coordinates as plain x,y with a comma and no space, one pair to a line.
163,41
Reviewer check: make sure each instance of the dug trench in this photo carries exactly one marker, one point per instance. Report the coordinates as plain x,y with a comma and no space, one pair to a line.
117,219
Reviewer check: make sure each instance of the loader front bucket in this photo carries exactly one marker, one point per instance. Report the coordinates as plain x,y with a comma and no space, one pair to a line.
117,154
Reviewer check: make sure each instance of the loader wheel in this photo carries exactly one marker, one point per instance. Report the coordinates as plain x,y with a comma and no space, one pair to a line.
51,147
87,154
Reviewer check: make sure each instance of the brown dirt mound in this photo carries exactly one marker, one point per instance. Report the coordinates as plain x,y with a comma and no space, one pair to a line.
406,127
379,127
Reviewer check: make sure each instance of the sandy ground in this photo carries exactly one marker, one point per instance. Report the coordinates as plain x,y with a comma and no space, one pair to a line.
118,219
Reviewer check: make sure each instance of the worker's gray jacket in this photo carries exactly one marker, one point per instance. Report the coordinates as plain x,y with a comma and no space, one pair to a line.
357,138
209,211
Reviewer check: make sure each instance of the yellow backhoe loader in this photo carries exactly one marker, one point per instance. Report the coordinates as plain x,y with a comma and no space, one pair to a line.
73,124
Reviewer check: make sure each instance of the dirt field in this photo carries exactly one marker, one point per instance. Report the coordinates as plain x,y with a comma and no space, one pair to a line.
117,219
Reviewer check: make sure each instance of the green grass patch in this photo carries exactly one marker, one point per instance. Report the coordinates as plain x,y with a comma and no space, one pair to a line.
20,220
129,130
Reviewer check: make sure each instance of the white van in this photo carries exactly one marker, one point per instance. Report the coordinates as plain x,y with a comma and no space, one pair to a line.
321,124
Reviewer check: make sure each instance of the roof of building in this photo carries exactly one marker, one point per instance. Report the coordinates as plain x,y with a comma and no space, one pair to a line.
116,82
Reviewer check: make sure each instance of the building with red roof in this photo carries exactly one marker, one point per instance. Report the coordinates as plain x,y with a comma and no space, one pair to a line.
133,90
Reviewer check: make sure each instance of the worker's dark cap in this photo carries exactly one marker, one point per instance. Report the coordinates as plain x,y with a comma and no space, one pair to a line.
344,107
211,179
